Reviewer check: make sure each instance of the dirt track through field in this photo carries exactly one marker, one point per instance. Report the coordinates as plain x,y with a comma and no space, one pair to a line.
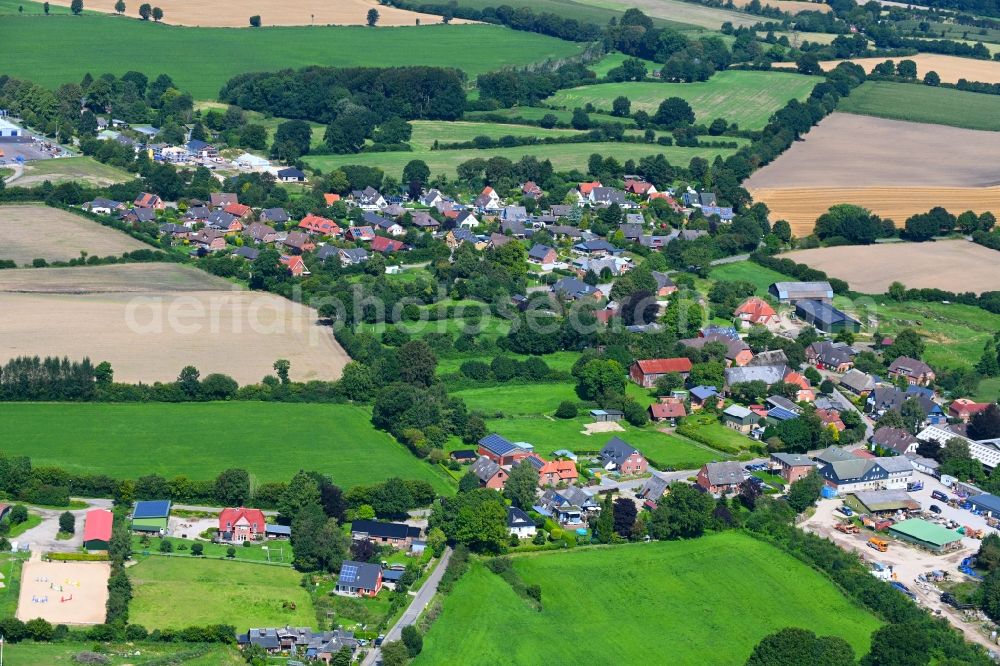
949,68
233,14
39,232
151,320
800,206
958,265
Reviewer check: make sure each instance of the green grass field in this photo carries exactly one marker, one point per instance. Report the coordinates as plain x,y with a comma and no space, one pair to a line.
563,156
519,399
744,97
10,567
131,654
175,592
271,440
955,334
692,596
588,12
276,551
548,434
562,360
200,60
426,132
924,104
989,390
66,169
612,60
748,271
719,436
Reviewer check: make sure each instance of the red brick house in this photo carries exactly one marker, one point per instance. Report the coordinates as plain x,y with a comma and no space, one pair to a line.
646,372
241,524
964,409
210,239
359,579
916,372
721,478
491,475
555,471
501,451
386,245
239,210
620,456
756,312
640,187
298,242
792,466
669,408
147,200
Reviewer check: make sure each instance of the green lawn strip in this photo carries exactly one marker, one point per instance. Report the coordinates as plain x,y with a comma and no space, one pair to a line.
955,333
561,360
706,427
773,480
748,98
924,104
276,551
748,271
642,590
550,434
989,390
176,592
10,567
519,399
426,132
563,156
28,653
272,441
34,520
587,12
612,60
536,113
201,60
71,169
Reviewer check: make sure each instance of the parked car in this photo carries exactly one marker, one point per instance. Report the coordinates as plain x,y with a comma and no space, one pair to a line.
846,510
935,508
938,495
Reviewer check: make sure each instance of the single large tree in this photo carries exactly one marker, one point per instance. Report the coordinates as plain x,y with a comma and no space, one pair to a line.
625,514
674,112
145,10
522,485
372,17
76,6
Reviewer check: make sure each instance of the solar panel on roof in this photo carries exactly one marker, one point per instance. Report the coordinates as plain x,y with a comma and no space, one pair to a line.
152,509
348,573
497,444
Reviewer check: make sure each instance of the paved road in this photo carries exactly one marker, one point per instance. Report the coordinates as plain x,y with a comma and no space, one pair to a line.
43,537
18,171
417,606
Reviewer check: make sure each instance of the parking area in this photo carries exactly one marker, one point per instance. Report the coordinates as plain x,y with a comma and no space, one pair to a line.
960,516
28,149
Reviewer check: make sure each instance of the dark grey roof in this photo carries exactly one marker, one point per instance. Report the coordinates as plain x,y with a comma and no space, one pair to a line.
617,451
359,574
250,253
220,219
517,518
538,251
662,280
377,528
725,473
822,314
571,287
897,439
291,172
910,367
274,215
485,469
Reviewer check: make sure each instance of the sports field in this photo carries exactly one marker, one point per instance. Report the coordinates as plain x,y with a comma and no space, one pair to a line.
174,592
959,265
151,320
67,169
236,14
201,60
744,97
30,232
563,156
666,593
924,104
548,434
272,441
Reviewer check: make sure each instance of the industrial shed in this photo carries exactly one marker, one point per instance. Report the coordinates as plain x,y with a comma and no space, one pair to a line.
881,501
926,535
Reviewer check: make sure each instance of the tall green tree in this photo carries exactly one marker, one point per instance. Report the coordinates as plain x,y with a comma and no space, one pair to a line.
522,485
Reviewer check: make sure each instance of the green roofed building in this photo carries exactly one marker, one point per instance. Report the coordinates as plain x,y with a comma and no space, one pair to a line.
151,516
926,535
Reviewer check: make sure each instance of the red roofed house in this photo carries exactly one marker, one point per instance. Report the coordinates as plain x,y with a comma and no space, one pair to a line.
805,393
669,408
640,187
147,200
386,245
331,199
531,189
97,529
646,372
964,409
241,211
830,417
295,265
756,311
555,471
242,524
585,188
316,225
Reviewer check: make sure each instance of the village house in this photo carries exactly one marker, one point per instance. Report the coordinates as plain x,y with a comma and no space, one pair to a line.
274,215
208,239
488,200
383,224
596,248
201,150
503,452
897,440
490,474
571,288
368,199
738,352
849,476
225,222
237,525
423,220
915,372
466,219
791,466
667,409
964,409
664,285
298,242
331,198
359,579
721,478
520,524
833,356
620,456
756,312
261,233
739,418
302,641
651,491
246,252
567,506
196,214
646,372
554,472
147,200
295,264
890,398
386,245
824,317
398,535
315,225
430,198
704,396
102,206
290,175
363,234
639,187
174,230
543,255
603,197
769,374
830,417
531,189
805,391
857,382
222,199
350,256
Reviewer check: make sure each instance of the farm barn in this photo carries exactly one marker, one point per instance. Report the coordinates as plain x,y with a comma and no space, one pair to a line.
97,529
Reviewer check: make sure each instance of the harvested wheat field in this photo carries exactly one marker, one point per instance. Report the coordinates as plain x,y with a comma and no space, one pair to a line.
800,206
790,6
33,232
151,320
958,265
234,14
949,68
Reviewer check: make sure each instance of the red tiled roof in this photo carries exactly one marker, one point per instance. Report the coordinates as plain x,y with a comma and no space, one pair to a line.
237,209
320,225
757,308
637,186
585,188
331,199
798,379
383,244
97,525
229,516
656,366
667,410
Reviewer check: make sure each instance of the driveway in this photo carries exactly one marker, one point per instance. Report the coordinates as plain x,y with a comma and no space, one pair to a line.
42,538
